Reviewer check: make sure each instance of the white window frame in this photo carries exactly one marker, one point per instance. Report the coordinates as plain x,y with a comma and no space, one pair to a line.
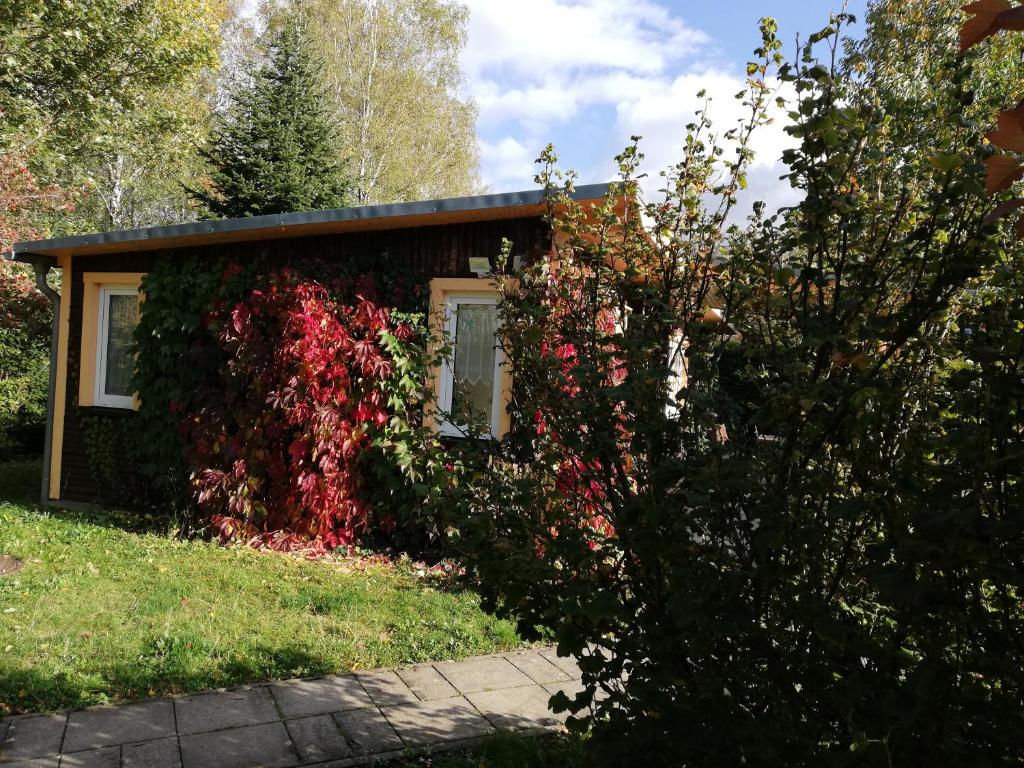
100,397
676,372
447,385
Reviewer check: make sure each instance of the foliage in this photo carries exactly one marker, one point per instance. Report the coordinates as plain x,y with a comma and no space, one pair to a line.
99,614
135,173
990,17
111,97
25,312
393,81
275,444
79,64
23,199
290,399
276,149
835,577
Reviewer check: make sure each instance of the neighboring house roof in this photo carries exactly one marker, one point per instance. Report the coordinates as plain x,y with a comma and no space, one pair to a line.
392,216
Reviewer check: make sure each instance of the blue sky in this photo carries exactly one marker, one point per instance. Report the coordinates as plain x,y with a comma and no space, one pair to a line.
586,74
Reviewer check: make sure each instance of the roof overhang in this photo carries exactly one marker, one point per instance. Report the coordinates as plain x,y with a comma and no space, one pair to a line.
456,210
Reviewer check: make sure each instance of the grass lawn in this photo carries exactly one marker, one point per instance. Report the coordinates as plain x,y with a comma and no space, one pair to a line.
99,614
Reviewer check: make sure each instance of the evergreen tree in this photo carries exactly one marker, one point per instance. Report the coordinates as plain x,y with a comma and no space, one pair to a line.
275,148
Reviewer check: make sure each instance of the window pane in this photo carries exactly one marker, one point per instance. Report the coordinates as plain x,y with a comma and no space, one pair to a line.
122,317
473,390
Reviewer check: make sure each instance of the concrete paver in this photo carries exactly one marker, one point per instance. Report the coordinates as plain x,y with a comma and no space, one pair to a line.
40,762
539,669
224,709
161,753
101,727
432,722
486,674
427,683
368,731
564,663
320,696
516,708
31,736
386,688
104,757
317,739
254,746
340,720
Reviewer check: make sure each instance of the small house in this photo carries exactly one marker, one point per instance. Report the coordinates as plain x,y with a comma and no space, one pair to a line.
451,244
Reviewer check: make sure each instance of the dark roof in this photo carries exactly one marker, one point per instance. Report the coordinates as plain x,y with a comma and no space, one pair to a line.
391,216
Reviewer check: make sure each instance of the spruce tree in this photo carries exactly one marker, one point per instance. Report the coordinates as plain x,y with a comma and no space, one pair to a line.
274,150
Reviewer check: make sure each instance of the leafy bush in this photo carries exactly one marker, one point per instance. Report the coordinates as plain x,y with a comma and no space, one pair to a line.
24,360
24,312
813,555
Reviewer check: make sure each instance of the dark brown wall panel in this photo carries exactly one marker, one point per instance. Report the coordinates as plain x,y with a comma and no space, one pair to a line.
424,252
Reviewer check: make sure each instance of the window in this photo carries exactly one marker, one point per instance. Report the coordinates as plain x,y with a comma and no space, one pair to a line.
119,314
676,373
472,385
110,313
470,377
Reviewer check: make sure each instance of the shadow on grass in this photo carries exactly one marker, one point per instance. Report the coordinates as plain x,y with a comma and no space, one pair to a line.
510,750
29,690
20,482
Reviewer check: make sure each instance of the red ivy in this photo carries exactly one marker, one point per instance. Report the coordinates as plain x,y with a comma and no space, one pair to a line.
274,450
581,483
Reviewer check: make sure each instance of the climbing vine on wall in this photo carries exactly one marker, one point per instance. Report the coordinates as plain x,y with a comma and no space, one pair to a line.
279,391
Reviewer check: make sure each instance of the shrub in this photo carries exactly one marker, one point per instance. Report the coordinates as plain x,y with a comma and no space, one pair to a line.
24,360
24,312
813,555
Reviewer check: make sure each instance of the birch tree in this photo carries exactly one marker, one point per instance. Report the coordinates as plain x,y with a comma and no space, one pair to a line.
392,75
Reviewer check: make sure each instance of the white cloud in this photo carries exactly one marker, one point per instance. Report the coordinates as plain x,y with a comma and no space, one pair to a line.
541,61
660,112
509,164
537,67
536,37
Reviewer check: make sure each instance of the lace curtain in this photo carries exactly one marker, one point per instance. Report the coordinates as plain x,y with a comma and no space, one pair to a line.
474,344
123,316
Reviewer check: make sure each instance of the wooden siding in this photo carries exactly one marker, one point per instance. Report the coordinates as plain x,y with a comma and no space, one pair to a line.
423,253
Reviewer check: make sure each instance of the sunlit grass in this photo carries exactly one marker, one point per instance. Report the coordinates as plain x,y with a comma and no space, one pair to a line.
99,613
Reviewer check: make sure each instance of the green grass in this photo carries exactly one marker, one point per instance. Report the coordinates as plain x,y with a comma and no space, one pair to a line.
510,751
100,614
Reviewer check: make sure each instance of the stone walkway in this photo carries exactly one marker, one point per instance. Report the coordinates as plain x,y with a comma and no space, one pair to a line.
342,720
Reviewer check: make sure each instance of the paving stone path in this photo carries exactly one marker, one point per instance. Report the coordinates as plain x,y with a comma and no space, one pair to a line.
330,722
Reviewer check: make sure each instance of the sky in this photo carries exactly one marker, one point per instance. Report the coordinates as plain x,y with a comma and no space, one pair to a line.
585,75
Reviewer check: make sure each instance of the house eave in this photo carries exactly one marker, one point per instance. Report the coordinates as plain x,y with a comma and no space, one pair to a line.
338,220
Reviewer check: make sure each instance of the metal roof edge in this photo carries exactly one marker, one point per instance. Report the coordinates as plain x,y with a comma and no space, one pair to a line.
286,220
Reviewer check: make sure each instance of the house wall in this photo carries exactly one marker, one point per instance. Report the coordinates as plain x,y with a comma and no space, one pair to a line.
421,253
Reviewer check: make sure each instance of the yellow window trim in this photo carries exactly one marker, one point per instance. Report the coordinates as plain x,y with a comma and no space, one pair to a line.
93,282
440,289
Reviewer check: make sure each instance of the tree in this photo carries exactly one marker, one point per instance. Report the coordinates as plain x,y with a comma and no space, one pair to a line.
809,549
74,66
112,96
276,150
25,313
393,79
